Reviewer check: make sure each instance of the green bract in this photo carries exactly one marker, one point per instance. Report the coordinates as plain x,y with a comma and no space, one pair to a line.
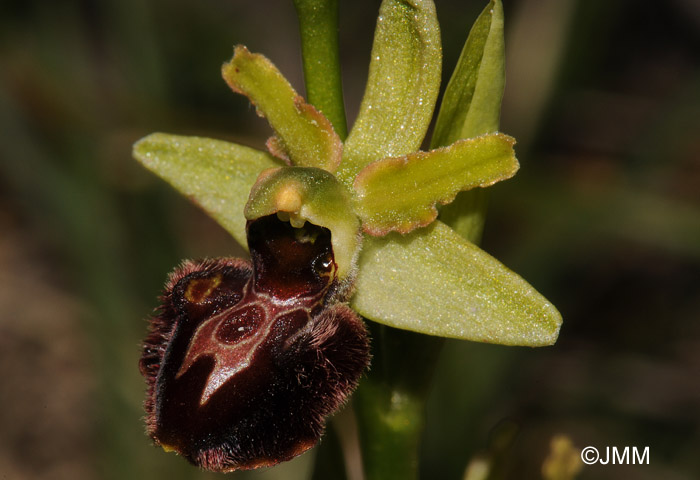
425,278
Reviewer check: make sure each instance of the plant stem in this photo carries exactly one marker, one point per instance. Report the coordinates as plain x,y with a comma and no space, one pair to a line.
318,25
390,402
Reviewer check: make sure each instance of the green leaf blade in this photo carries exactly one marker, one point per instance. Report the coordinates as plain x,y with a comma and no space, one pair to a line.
216,175
403,83
435,282
304,136
400,193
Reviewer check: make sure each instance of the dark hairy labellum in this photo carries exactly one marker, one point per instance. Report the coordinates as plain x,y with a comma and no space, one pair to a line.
245,360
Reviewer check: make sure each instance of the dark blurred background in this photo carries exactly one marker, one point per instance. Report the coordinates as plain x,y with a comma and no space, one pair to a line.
603,218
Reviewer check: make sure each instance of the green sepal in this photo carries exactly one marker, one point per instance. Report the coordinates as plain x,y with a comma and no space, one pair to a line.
435,282
471,105
304,136
300,194
214,174
400,193
403,83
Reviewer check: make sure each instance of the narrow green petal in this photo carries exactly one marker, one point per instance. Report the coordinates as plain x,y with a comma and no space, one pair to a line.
435,282
304,136
471,105
216,175
403,83
400,193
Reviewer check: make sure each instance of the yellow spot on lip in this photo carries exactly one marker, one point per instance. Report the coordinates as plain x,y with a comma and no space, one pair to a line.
168,448
288,199
199,289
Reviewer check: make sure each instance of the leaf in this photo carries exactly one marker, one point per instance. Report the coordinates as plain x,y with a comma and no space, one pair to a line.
400,193
435,282
304,135
403,83
471,105
214,174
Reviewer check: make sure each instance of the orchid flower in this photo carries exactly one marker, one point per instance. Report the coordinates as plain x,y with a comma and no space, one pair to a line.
246,359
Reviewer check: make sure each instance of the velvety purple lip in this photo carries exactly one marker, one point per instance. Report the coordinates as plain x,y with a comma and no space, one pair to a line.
245,360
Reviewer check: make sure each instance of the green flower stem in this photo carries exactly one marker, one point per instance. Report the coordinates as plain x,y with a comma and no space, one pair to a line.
318,25
390,402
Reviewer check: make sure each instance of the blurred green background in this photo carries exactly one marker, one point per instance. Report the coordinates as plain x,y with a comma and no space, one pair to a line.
603,218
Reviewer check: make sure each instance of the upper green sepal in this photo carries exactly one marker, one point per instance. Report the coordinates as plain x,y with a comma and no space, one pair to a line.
471,105
304,136
403,84
214,174
435,282
400,193
300,194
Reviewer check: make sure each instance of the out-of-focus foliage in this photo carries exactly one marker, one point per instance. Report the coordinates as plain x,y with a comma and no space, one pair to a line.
603,219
